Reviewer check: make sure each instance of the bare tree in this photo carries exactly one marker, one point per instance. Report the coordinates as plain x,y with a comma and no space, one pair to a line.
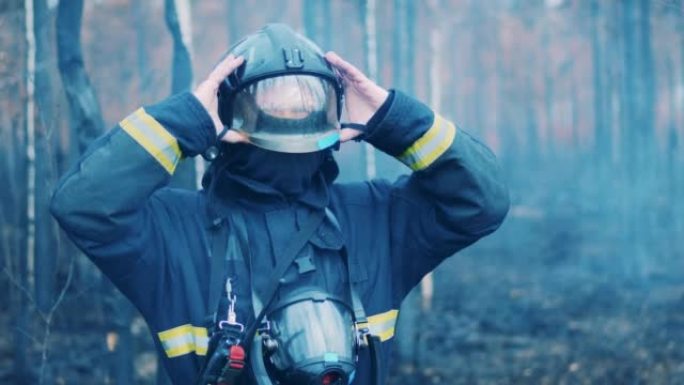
602,148
636,117
311,18
86,116
370,48
178,21
140,13
22,277
30,141
45,229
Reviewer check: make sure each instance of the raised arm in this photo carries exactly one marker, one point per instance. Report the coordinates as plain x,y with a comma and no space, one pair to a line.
108,202
456,193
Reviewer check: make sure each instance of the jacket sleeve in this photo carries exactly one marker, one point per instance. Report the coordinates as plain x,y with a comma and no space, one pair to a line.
455,195
108,202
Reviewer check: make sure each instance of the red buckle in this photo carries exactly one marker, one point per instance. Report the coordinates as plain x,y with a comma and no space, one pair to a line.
236,357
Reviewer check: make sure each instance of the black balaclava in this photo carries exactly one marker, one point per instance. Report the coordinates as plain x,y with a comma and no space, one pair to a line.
289,174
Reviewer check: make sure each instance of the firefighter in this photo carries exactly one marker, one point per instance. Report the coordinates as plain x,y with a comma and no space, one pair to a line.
273,273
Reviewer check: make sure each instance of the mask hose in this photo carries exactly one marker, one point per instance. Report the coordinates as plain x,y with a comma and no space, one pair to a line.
376,359
257,361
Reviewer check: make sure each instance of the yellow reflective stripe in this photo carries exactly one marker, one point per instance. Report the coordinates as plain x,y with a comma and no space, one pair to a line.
382,325
154,138
383,317
175,332
386,335
424,151
184,339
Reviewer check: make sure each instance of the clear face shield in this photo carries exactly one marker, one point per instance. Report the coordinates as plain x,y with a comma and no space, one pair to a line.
292,113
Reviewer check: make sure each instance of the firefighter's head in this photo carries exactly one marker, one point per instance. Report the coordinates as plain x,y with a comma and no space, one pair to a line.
285,101
285,97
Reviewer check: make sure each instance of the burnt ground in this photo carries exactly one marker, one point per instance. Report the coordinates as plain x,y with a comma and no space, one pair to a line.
547,302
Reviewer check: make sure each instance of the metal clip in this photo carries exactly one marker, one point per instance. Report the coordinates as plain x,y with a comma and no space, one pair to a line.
231,319
362,334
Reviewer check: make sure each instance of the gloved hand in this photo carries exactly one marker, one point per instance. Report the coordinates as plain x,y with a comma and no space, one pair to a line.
206,94
362,97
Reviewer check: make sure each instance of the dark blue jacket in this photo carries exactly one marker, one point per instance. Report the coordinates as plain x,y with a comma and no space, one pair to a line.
153,242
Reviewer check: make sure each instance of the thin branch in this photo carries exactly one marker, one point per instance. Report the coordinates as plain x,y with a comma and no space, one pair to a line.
19,286
48,320
64,290
28,335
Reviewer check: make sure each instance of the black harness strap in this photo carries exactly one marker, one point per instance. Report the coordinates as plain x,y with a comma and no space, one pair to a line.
219,243
287,257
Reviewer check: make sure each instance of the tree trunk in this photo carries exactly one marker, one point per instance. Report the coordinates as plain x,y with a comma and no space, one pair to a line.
637,96
549,146
602,147
326,38
531,125
85,117
23,373
236,20
370,48
178,21
386,166
140,14
310,17
30,143
85,113
574,110
481,34
399,46
45,230
502,116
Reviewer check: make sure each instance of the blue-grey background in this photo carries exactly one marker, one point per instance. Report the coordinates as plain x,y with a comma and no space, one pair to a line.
581,100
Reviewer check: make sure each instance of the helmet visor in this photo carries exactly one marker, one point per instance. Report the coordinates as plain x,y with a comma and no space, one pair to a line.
293,113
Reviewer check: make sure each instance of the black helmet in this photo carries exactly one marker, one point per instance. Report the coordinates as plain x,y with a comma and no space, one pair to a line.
285,97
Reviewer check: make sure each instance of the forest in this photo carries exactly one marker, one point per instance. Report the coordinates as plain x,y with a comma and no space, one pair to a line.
581,100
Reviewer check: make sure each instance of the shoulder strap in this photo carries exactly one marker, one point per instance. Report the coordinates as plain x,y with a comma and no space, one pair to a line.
219,243
229,245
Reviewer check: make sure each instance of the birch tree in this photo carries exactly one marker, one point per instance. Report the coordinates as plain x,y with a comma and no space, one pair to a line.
370,48
23,281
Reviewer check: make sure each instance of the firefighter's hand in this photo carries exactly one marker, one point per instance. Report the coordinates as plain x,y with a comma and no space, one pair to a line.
362,97
206,93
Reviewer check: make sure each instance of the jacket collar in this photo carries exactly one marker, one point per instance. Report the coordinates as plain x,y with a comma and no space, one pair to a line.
232,189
